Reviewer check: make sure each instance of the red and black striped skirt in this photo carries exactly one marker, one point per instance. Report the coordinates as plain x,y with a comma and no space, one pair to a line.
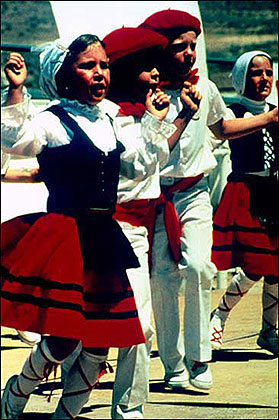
239,239
65,278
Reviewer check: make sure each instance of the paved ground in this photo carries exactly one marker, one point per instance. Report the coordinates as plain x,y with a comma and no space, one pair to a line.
245,377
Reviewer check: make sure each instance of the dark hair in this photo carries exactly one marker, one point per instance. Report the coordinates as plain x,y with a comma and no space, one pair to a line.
251,64
259,55
247,79
173,33
63,76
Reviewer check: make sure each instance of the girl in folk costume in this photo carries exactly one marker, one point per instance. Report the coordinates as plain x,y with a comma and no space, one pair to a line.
185,356
246,224
64,272
134,55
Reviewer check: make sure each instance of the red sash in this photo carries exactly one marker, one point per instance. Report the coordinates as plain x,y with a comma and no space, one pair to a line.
138,213
172,222
143,213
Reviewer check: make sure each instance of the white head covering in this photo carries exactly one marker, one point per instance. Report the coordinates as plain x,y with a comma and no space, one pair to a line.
52,56
239,71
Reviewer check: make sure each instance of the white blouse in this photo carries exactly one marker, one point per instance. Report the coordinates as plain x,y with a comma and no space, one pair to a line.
133,130
25,131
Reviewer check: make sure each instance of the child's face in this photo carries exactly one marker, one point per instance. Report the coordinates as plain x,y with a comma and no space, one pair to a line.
259,79
182,54
149,78
91,75
147,74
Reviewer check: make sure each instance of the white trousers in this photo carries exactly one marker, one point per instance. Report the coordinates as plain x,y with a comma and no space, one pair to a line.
131,385
175,342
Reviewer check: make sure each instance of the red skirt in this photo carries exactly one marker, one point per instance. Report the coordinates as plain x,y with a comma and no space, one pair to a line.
46,288
239,240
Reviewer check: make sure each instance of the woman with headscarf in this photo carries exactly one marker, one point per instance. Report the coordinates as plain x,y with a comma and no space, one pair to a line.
64,271
246,224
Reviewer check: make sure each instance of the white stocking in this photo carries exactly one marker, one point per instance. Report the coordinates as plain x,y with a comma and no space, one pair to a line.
81,378
270,306
37,366
238,287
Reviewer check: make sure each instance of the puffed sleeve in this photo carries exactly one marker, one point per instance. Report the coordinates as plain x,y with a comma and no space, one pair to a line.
217,109
5,160
146,145
19,134
157,133
25,130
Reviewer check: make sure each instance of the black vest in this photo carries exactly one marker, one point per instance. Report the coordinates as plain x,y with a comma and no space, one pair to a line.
247,152
79,175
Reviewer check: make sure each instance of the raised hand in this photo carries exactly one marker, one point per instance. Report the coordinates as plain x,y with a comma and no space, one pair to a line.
190,97
157,103
15,70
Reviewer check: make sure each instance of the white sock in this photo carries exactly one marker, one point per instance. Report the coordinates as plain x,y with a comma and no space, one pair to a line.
270,306
237,288
37,366
81,378
68,362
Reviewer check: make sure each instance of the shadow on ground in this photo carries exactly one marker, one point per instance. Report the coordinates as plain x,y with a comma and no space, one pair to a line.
211,404
156,386
234,355
47,416
239,355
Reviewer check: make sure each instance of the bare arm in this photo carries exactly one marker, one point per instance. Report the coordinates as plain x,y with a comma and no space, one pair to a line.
19,175
16,73
238,127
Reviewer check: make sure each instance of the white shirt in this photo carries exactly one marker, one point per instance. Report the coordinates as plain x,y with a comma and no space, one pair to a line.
26,132
132,130
5,161
192,155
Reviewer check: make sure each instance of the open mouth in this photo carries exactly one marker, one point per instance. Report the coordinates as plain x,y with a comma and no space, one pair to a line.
188,63
263,87
186,67
98,89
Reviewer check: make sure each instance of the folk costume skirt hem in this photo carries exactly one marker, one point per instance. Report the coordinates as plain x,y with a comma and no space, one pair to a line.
46,288
239,239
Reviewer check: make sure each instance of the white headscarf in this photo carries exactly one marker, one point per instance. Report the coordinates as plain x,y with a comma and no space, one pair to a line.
52,56
239,71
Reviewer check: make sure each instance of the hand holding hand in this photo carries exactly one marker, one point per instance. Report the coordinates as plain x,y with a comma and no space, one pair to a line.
15,70
157,103
190,97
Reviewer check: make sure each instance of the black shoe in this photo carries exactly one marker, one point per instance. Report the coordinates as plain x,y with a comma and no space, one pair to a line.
268,340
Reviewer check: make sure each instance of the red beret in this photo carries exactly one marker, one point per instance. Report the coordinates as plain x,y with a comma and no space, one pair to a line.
125,41
167,20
